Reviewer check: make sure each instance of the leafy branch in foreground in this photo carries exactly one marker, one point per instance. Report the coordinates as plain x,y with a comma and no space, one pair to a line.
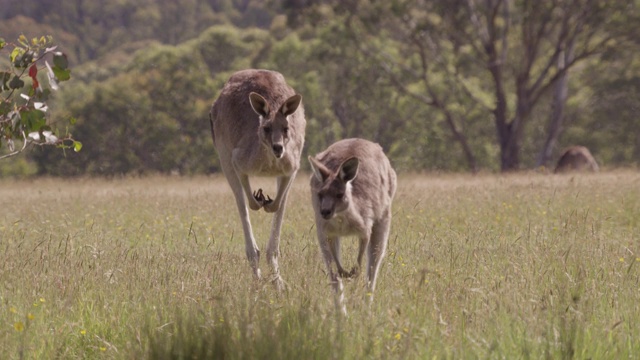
23,107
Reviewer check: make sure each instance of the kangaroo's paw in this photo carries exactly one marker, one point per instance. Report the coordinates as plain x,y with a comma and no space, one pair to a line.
258,200
346,275
270,206
259,196
354,271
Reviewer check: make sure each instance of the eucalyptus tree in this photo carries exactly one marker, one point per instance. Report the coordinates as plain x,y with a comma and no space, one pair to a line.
24,93
500,57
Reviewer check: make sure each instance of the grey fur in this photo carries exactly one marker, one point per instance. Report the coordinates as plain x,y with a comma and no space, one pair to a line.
257,125
352,188
576,158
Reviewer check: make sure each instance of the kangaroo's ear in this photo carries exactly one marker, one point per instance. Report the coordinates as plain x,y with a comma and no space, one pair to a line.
291,105
319,171
349,169
259,104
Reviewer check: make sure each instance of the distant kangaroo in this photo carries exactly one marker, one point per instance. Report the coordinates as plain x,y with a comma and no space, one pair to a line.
576,158
352,188
257,125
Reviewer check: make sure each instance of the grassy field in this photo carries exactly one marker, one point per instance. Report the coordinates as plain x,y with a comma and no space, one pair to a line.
518,266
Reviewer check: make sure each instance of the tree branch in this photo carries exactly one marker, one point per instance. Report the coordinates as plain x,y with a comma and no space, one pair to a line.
14,153
579,57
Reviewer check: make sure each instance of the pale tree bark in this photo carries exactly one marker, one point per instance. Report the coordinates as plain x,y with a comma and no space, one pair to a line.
556,118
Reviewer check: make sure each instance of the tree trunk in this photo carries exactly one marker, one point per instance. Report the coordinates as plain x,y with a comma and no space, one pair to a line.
510,149
556,120
512,132
508,157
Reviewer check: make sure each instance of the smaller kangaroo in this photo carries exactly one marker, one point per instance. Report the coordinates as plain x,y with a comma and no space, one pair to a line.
258,125
576,158
352,188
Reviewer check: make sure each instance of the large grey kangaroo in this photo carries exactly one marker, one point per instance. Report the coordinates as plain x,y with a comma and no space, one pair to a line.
352,187
257,125
576,158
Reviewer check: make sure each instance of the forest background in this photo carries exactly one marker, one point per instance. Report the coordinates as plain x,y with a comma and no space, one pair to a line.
442,85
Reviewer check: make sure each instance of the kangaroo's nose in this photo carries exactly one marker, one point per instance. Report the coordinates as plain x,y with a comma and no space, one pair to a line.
326,213
277,150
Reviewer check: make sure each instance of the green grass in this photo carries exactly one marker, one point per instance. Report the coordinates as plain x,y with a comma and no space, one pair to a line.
519,266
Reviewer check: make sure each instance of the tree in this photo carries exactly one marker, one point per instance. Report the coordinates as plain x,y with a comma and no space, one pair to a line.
605,118
23,107
550,38
501,54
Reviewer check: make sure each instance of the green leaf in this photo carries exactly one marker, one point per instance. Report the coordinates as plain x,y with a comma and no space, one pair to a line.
16,83
33,120
23,40
61,74
60,60
73,120
16,53
2,43
77,146
23,58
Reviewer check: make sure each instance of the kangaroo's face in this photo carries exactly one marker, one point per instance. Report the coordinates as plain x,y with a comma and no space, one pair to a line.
274,125
334,188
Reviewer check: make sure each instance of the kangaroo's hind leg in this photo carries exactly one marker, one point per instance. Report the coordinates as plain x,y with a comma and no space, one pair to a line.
273,247
376,251
251,247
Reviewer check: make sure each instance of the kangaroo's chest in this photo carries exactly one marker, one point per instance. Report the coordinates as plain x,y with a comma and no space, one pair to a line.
344,225
268,165
262,163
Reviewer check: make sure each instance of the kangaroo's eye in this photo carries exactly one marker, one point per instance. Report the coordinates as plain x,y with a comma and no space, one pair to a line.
285,131
320,197
267,130
340,195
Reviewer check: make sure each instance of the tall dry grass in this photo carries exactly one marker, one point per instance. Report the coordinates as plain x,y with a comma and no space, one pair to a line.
518,266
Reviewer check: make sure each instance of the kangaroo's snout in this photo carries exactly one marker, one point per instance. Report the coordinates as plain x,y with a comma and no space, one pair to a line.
278,150
326,213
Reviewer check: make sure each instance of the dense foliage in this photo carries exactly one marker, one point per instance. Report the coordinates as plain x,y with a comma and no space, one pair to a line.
23,104
441,85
